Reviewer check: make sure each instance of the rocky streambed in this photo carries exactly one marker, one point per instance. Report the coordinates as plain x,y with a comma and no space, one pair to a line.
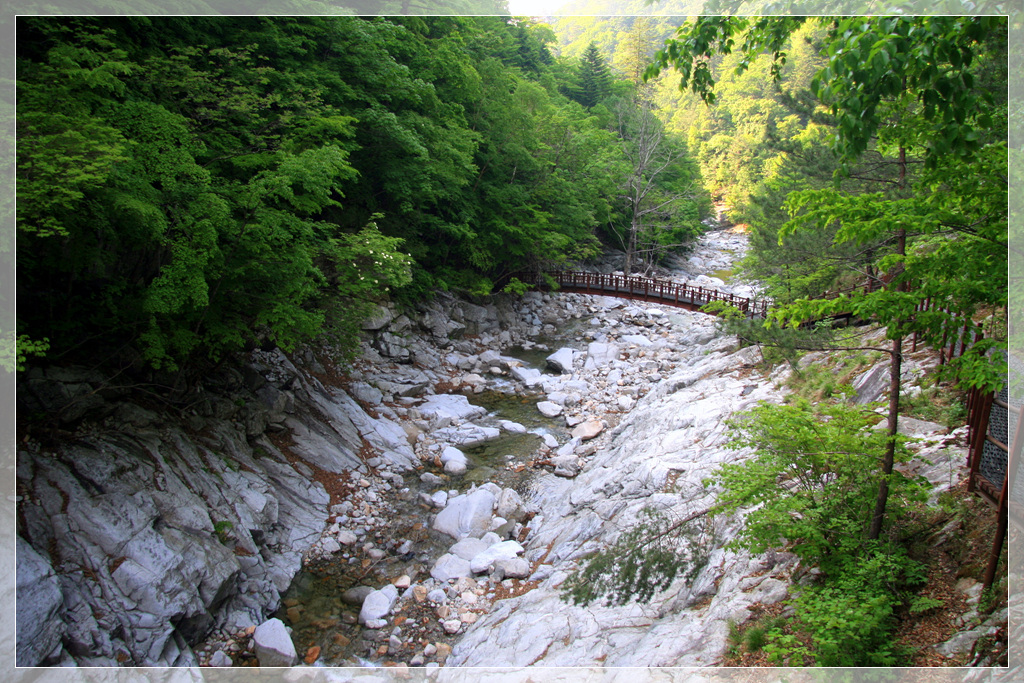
421,508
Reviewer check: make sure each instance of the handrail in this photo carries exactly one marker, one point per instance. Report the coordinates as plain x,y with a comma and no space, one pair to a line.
682,295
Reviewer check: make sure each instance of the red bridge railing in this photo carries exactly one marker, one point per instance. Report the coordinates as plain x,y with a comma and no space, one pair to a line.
681,295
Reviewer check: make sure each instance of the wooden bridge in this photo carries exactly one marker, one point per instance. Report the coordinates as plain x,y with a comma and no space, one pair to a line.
679,295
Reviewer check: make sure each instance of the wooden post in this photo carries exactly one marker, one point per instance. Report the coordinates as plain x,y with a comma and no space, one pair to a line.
1012,458
984,407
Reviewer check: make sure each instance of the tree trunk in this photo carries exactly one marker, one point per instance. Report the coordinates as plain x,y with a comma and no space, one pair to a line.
895,366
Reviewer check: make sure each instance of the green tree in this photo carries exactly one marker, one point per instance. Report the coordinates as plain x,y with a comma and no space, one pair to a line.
896,70
595,79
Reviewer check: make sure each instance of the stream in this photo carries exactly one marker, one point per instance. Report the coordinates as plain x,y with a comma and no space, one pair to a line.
322,604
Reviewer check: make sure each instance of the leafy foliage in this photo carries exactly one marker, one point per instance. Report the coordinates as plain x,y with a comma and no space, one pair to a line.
645,559
192,187
811,481
810,488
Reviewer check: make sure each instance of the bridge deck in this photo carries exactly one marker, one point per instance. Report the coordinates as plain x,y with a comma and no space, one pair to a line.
680,295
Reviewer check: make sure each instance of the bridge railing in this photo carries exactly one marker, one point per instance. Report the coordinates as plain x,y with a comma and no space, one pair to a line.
651,289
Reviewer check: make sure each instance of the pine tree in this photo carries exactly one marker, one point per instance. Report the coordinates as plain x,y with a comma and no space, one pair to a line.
595,79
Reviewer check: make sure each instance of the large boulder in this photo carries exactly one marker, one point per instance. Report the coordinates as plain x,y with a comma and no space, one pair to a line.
377,604
454,460
274,647
443,409
872,384
587,430
466,515
600,354
561,360
449,567
506,550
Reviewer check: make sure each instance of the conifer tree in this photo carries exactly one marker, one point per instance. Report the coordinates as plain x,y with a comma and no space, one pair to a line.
595,79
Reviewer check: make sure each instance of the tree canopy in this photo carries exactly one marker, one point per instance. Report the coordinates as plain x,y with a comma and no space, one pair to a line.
190,187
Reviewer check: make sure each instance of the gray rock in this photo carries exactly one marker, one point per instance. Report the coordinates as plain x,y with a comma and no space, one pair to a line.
363,392
549,409
466,515
561,360
912,427
587,430
449,567
447,408
506,550
600,354
220,659
39,599
872,384
378,319
356,595
378,604
274,647
568,448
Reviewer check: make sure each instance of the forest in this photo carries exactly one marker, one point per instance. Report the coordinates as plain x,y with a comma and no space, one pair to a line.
866,157
191,187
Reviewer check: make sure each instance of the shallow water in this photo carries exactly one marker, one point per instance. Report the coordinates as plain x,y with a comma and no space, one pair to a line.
313,606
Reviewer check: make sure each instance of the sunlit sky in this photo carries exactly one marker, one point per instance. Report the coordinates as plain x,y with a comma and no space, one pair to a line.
534,8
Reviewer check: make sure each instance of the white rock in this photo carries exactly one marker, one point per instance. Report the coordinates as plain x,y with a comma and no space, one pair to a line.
528,376
378,603
454,460
549,409
449,567
510,505
513,427
466,515
561,360
274,647
514,568
587,430
505,550
468,548
567,466
448,408
600,354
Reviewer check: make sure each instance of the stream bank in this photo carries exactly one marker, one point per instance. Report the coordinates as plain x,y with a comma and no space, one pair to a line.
290,463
